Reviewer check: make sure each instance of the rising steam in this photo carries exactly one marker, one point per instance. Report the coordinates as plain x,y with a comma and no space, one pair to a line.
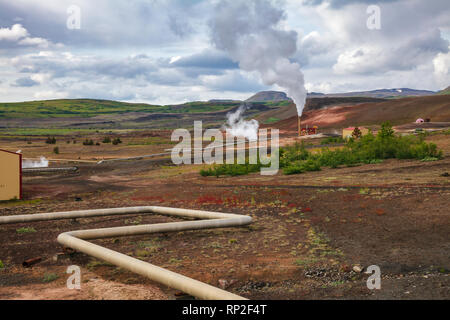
42,163
249,30
238,127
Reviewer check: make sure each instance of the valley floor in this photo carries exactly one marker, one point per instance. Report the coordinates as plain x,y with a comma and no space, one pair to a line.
309,231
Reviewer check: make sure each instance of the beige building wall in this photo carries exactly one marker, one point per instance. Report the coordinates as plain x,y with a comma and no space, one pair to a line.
10,175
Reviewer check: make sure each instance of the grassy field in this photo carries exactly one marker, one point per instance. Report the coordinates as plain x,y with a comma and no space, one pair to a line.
92,108
10,132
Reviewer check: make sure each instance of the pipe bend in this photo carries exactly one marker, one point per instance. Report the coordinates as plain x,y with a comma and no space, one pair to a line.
77,241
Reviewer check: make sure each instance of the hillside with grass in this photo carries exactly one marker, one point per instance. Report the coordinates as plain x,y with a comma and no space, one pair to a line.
105,114
92,108
445,91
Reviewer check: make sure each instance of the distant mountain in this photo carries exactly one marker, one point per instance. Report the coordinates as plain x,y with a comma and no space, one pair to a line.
316,95
264,96
385,93
224,101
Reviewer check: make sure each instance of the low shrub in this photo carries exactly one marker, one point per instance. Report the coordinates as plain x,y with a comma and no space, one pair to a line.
302,166
230,169
116,141
368,149
332,140
88,142
50,140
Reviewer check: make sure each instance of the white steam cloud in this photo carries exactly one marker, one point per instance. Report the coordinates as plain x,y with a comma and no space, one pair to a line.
238,127
42,163
250,32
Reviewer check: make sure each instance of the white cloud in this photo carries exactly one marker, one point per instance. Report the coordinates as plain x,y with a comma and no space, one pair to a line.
17,34
160,51
14,33
39,42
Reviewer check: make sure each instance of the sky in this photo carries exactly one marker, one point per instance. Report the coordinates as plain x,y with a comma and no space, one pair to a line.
165,51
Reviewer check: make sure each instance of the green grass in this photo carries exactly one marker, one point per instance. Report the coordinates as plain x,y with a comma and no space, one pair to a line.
271,120
25,230
276,103
2,265
368,149
49,277
11,132
332,140
90,108
233,170
98,263
152,141
426,159
444,92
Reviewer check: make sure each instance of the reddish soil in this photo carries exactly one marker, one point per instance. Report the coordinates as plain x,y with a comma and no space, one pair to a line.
397,111
309,231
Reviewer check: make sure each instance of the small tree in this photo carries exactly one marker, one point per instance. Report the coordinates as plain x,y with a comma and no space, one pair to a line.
116,141
88,142
386,130
356,134
50,140
56,150
107,140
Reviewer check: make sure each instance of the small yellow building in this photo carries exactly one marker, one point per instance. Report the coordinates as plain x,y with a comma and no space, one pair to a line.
347,132
10,175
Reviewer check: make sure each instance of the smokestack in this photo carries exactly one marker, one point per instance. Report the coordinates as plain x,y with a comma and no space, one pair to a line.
299,127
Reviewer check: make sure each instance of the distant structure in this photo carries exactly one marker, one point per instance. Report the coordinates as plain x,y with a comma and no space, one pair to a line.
10,175
347,132
307,131
420,120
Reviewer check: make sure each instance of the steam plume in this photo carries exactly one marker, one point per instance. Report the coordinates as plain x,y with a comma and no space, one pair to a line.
42,163
238,127
249,30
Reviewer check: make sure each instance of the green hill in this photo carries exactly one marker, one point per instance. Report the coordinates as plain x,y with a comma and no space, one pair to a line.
445,91
91,108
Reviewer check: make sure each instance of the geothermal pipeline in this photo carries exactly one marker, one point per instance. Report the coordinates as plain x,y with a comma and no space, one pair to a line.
47,170
77,241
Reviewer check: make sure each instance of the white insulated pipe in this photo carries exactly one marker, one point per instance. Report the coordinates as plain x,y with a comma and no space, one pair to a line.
77,240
